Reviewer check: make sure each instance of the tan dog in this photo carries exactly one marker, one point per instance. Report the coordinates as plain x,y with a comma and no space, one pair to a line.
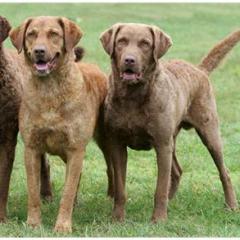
148,103
60,107
12,72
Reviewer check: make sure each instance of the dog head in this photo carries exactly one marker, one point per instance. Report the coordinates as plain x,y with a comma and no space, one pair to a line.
4,29
45,41
134,48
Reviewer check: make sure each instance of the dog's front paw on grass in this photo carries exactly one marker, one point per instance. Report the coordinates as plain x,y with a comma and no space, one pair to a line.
33,222
232,206
158,216
118,214
63,227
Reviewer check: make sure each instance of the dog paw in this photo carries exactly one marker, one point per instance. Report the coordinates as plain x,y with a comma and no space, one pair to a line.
232,206
34,223
158,217
4,28
118,214
63,227
3,219
47,198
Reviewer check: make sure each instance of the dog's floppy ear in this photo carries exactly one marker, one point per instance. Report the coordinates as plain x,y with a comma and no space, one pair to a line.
4,29
72,33
108,37
162,42
17,35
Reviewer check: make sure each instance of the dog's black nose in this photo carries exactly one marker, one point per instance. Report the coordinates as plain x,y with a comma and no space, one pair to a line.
130,60
39,51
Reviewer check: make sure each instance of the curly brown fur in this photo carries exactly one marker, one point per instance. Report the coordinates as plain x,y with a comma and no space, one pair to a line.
149,102
4,29
11,74
9,102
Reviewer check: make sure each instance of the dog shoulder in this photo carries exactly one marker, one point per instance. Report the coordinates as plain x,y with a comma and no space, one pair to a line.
94,78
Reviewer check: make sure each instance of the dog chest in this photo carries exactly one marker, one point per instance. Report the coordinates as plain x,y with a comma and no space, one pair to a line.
135,138
50,139
132,128
50,134
138,140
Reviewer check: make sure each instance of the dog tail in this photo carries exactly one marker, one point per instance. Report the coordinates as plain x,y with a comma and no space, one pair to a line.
219,51
79,53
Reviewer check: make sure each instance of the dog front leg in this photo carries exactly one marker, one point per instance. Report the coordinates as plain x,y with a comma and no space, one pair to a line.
33,168
73,172
118,155
164,157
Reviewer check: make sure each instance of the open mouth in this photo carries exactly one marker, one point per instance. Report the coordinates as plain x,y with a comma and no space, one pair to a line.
130,75
45,67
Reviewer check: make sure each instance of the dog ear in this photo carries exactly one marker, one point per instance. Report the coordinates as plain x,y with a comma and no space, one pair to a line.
108,37
72,33
162,42
4,29
17,35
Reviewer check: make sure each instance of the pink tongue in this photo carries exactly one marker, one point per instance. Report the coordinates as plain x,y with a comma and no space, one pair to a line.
41,66
129,76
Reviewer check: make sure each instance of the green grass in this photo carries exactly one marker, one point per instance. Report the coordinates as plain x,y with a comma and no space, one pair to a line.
198,209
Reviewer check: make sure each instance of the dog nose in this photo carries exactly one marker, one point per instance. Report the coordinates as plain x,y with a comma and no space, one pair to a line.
39,51
130,60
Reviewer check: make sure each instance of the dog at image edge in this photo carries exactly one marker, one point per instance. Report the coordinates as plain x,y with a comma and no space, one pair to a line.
60,108
150,101
12,71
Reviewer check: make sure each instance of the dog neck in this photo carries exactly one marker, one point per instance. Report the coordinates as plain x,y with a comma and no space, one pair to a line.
139,92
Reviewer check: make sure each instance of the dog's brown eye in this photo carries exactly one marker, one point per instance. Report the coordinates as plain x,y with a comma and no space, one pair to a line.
122,42
32,34
144,44
53,34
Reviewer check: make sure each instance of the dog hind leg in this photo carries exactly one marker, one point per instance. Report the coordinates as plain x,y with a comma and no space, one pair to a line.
210,136
205,120
46,188
176,173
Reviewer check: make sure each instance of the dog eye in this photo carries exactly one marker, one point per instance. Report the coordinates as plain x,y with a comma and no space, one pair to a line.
122,42
32,34
53,34
144,44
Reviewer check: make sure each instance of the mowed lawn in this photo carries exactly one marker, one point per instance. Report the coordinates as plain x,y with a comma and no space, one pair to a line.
198,208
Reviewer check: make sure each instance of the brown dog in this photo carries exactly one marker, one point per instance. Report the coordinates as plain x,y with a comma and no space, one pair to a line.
12,72
148,103
60,107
